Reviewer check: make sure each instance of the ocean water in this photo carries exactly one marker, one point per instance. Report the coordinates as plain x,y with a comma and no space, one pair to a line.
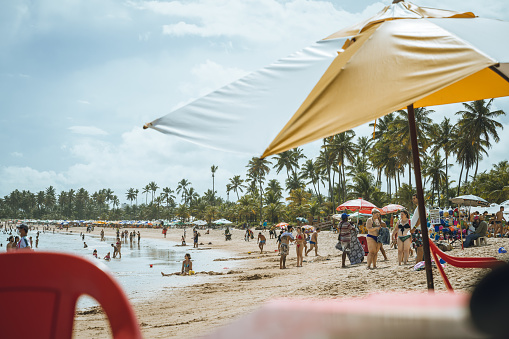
139,281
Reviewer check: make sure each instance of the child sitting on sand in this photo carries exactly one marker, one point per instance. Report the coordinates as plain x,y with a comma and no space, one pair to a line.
107,257
187,266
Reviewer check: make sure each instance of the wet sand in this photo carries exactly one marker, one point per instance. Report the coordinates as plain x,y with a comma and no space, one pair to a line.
199,309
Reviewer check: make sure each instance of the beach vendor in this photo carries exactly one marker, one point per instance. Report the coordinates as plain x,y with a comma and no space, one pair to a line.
373,226
345,237
261,241
286,237
404,237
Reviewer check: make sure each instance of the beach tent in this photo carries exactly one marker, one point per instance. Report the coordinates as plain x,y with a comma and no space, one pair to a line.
392,208
404,56
222,222
469,200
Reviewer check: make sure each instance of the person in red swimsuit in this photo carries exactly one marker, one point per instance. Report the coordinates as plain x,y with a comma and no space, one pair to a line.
300,239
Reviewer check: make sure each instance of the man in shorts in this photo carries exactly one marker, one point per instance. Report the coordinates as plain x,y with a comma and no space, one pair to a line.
286,237
261,241
498,221
313,243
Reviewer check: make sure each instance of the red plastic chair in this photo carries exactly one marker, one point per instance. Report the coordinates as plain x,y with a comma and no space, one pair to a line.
39,290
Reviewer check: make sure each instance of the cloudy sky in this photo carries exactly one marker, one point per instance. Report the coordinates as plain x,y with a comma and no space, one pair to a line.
79,78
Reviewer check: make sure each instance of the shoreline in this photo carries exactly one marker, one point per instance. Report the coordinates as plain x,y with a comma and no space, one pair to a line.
198,309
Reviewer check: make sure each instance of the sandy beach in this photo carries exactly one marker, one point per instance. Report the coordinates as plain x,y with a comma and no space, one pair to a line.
221,298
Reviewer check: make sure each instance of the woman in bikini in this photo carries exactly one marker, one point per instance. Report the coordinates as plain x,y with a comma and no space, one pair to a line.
187,265
300,240
373,225
402,232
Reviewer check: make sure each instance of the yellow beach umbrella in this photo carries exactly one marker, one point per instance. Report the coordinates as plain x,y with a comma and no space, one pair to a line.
405,56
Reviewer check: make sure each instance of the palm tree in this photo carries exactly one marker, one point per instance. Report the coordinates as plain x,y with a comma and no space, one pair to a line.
213,169
167,196
311,172
136,192
442,137
478,124
182,189
153,188
285,160
145,191
130,195
237,184
258,168
401,132
50,198
434,170
343,149
295,181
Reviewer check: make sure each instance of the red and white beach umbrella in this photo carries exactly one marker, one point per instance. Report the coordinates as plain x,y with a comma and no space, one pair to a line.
392,208
282,224
360,205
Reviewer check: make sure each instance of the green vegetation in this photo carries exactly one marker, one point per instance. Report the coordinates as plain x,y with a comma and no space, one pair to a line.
345,168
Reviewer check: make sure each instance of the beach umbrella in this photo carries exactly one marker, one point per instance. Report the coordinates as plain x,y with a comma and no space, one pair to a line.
392,208
282,225
308,229
301,219
200,222
405,56
359,204
469,200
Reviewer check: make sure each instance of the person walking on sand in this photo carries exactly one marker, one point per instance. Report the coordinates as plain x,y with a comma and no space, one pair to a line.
102,234
261,241
300,240
402,235
278,242
139,236
313,243
373,225
286,237
345,237
196,235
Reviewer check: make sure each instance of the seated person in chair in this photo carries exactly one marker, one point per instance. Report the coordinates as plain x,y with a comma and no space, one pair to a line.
481,227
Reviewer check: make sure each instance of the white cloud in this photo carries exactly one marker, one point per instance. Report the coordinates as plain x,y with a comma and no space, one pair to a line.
257,20
84,102
17,154
87,130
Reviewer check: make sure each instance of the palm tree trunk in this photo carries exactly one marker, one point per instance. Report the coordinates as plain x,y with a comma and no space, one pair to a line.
410,174
446,195
476,165
461,174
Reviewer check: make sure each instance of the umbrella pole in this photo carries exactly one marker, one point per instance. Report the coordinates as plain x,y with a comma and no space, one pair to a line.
420,197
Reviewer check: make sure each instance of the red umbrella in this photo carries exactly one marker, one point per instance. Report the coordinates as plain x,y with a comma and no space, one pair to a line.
392,208
360,205
282,224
